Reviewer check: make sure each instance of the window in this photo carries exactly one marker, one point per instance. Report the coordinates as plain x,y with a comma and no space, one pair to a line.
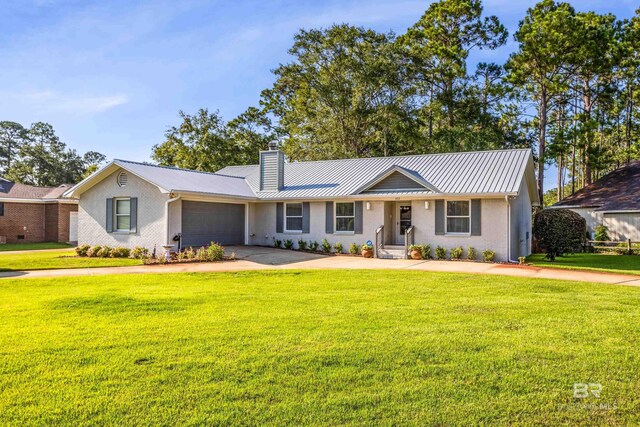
122,215
293,217
458,217
345,217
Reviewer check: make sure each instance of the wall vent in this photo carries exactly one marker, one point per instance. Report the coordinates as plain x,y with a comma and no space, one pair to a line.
122,179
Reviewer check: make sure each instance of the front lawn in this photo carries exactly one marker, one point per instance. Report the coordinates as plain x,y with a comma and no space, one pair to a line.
59,259
32,246
628,264
317,348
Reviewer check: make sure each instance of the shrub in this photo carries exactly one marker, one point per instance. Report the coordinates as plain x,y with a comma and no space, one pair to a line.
338,248
366,247
104,252
92,252
456,253
82,250
602,233
488,255
441,253
302,245
120,252
214,252
277,243
201,254
354,249
288,244
313,245
139,252
326,246
471,253
559,231
426,251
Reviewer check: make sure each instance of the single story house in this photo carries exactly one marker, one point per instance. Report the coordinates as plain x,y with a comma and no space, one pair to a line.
613,201
478,199
32,214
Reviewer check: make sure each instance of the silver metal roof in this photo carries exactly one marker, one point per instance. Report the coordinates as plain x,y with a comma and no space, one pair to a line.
482,172
184,180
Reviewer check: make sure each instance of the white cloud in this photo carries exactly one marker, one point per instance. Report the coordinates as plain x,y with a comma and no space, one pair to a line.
52,101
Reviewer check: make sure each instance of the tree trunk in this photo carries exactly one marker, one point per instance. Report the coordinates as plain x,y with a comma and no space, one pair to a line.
587,120
628,121
560,169
542,136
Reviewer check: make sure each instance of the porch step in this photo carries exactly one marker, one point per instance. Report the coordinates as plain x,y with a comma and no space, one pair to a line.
392,252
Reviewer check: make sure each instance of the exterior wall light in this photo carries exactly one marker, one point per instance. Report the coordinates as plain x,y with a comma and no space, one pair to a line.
426,205
368,206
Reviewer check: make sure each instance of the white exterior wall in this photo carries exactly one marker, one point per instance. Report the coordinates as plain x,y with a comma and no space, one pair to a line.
622,225
521,222
493,229
92,213
262,227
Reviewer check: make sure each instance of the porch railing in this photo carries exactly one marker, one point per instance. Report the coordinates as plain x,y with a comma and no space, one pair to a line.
409,239
379,240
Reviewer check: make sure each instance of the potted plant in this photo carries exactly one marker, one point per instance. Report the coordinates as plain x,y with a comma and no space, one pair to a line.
416,251
367,251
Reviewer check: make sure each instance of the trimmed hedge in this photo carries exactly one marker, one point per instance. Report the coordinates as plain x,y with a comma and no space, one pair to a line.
559,231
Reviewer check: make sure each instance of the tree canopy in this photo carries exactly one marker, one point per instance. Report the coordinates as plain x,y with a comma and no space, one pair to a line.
568,90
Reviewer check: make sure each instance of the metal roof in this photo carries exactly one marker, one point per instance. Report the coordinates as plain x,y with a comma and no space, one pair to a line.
184,180
482,172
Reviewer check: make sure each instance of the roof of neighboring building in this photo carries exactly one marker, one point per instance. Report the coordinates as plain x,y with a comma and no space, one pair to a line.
14,190
481,172
617,190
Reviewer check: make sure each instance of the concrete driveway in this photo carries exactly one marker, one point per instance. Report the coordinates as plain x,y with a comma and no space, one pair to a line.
265,258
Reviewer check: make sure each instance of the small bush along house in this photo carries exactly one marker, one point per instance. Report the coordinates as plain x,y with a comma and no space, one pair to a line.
478,199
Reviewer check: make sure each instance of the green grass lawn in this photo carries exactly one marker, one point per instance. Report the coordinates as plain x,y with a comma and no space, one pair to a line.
628,264
316,348
52,260
32,246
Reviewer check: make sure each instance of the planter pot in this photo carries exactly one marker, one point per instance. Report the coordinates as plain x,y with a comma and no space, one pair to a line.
367,253
416,255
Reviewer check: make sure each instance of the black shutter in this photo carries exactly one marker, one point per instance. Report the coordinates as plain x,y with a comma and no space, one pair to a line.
109,223
1,208
440,217
358,213
133,212
279,217
476,217
306,217
329,218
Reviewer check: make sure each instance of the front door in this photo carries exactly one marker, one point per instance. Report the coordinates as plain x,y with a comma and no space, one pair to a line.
403,220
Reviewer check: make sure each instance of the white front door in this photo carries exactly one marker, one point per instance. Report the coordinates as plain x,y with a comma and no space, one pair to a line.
403,220
73,226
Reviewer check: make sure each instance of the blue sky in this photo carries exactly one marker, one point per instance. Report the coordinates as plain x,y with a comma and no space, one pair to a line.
111,75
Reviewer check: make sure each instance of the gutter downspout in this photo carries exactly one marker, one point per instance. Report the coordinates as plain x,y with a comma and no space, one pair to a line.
506,198
166,216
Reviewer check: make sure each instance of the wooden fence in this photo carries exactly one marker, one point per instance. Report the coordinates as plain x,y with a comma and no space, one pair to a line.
625,247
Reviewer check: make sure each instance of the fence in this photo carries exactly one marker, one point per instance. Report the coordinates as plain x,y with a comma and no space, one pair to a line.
622,247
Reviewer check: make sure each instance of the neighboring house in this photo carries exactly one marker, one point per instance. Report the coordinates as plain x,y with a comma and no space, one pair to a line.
613,201
31,214
479,199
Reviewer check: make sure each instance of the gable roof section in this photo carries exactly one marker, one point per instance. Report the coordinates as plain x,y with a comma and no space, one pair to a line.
617,190
169,179
498,172
396,179
14,190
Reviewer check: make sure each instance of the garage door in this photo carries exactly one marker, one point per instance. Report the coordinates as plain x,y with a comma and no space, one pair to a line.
203,223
